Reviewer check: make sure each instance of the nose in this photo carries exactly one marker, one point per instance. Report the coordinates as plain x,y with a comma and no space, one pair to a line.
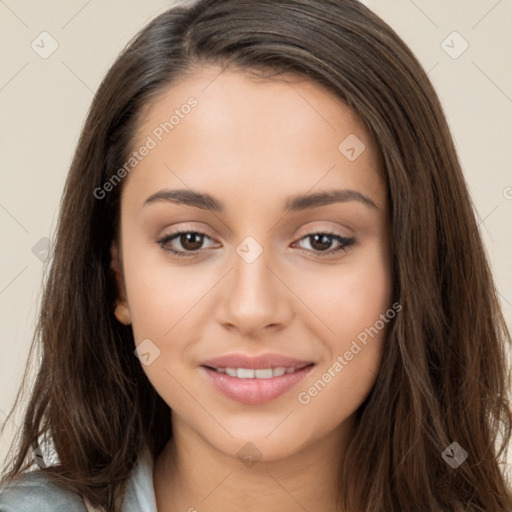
254,297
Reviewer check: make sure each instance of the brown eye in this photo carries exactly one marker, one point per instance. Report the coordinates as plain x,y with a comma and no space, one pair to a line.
189,243
321,242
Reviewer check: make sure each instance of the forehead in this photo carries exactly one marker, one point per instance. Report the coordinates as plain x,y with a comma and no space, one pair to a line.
251,134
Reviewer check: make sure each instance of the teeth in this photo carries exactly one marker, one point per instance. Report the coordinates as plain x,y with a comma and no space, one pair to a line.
252,373
263,374
245,373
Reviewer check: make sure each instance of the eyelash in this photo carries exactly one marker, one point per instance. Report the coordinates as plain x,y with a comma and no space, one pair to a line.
344,241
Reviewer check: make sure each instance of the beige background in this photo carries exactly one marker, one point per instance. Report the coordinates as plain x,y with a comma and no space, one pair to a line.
44,102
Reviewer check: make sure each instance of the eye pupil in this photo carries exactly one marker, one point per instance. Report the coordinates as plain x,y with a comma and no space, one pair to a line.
324,243
187,241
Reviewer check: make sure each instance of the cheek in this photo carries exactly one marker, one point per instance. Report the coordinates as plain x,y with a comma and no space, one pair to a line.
159,293
354,302
166,303
160,301
351,296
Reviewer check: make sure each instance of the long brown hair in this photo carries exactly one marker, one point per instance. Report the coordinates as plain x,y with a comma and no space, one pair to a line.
444,376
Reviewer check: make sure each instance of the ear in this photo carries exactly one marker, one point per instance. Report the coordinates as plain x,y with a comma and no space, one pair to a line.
116,266
122,311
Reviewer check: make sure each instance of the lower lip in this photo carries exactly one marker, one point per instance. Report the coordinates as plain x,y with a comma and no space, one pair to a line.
254,391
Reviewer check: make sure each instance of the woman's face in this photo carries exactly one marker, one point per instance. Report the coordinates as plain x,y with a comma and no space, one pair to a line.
288,282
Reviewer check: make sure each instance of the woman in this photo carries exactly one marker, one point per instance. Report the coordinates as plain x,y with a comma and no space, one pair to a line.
268,289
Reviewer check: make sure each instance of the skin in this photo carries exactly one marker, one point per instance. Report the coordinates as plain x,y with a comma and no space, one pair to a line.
251,144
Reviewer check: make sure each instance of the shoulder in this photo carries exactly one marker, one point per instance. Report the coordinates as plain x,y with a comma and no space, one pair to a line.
33,492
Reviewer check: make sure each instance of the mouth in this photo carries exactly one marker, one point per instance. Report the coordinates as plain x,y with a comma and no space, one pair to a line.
255,380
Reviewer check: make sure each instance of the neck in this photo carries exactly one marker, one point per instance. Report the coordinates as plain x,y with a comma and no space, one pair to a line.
191,475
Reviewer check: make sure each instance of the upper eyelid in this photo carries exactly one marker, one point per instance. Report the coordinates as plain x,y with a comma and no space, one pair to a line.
185,230
307,231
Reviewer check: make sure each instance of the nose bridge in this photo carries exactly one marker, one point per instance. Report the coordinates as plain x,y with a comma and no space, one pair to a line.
254,298
253,287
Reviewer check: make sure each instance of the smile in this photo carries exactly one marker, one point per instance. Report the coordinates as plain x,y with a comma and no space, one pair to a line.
254,380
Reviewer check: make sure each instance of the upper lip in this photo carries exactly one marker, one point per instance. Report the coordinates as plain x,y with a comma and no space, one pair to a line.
261,361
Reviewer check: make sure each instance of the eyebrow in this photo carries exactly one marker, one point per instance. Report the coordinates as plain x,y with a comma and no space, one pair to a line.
300,202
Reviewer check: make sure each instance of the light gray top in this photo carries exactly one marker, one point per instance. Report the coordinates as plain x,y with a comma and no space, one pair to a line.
35,493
